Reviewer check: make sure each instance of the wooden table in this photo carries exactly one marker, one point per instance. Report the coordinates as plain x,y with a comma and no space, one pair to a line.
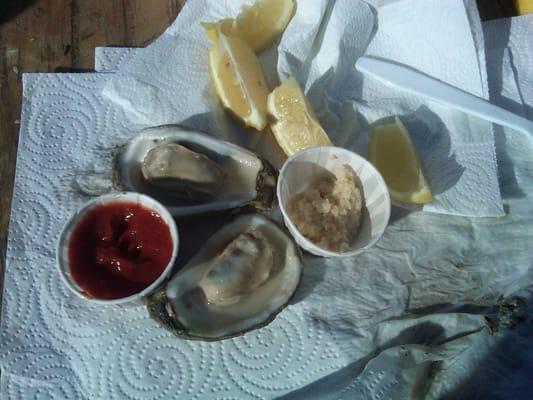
60,35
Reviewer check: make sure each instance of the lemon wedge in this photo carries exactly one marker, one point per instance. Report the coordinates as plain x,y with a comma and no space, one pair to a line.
392,152
524,6
262,23
212,28
259,25
294,124
238,80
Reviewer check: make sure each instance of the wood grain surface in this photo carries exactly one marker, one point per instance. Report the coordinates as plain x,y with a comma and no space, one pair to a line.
60,35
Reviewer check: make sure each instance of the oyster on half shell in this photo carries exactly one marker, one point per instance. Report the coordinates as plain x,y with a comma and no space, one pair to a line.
189,174
193,173
241,278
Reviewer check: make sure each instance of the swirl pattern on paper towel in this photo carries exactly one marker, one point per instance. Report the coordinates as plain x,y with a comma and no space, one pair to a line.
57,345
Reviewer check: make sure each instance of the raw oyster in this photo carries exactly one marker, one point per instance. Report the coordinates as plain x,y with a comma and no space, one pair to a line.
240,269
174,167
241,278
229,176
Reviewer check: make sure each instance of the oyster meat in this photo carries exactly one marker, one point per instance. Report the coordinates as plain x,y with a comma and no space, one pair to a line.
242,277
174,167
240,269
192,173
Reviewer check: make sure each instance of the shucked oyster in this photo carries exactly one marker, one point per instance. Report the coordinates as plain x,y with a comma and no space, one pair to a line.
242,277
192,173
174,167
240,269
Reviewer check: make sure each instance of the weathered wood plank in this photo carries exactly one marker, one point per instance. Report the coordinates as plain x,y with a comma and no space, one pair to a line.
114,23
96,23
140,15
9,124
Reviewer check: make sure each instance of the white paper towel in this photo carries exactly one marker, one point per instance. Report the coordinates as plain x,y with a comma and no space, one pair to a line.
457,151
171,75
320,47
57,345
111,59
54,345
501,37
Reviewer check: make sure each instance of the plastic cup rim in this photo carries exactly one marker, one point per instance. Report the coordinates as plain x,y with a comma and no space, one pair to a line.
73,221
300,238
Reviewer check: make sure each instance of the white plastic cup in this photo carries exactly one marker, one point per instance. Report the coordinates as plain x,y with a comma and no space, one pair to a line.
64,242
304,167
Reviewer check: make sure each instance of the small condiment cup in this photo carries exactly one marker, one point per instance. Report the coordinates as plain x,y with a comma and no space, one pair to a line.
64,242
306,166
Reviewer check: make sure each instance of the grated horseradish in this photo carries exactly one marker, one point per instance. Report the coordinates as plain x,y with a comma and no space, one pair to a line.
329,212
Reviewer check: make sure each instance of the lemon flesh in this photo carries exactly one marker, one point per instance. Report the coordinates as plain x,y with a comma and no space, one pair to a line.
392,152
262,23
294,123
212,28
524,6
239,80
259,25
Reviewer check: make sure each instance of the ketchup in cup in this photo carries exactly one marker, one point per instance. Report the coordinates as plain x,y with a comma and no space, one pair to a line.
118,249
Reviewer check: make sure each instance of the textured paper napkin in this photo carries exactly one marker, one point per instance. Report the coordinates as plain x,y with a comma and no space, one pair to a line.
338,338
111,59
457,151
320,47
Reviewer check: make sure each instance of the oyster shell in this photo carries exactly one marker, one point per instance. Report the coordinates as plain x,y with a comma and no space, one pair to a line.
240,280
227,176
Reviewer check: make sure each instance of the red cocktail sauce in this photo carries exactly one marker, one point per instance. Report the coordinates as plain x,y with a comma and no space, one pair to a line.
118,249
